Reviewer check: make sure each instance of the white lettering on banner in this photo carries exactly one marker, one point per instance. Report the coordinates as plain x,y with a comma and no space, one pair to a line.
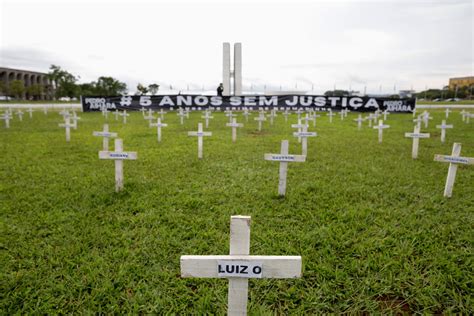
184,100
126,101
352,102
239,269
166,101
100,103
145,100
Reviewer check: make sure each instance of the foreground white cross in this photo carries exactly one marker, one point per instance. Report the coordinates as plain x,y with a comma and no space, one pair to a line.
381,127
119,156
158,125
359,121
443,128
106,135
234,126
6,117
284,158
304,134
67,125
453,160
238,267
200,133
416,135
260,119
206,117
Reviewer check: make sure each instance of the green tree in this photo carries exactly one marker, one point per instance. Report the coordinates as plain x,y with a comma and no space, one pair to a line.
108,87
64,83
153,88
35,90
4,89
17,88
141,89
87,89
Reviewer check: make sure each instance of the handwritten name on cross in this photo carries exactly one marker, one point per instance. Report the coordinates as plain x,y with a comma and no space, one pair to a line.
200,133
381,127
67,125
234,126
158,125
443,128
260,119
416,135
304,134
299,126
284,158
106,135
119,156
359,121
454,160
206,117
246,114
239,266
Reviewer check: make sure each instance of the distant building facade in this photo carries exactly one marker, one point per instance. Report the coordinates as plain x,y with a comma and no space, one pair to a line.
460,82
29,78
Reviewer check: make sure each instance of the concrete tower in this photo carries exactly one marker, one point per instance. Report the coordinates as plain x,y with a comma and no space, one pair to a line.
235,73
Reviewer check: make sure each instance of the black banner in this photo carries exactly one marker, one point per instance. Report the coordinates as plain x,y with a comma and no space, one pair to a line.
250,102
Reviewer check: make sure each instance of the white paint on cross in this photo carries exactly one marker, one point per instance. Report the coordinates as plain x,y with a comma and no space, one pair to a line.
200,133
416,135
303,135
181,115
67,125
285,114
246,113
370,118
6,117
207,116
116,113
299,126
239,266
105,113
124,116
385,113
230,115
454,160
381,127
260,119
284,158
75,118
30,111
106,135
359,121
162,114
158,126
119,156
330,114
234,126
272,115
426,117
443,128
418,121
447,111
341,113
149,117
20,115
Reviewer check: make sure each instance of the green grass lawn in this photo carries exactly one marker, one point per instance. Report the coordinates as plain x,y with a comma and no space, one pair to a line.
371,224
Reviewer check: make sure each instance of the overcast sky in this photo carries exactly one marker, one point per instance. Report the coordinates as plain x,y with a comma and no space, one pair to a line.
390,44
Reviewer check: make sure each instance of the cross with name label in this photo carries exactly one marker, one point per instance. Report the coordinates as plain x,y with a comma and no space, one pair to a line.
443,128
416,135
230,115
20,115
381,127
124,116
30,111
447,111
119,156
239,266
330,114
370,118
106,135
303,135
234,126
181,115
418,121
299,126
299,112
67,125
162,114
246,113
385,113
105,113
285,114
272,115
6,117
200,133
307,118
75,118
143,110
206,117
284,158
426,117
454,160
149,117
314,116
359,121
260,119
158,126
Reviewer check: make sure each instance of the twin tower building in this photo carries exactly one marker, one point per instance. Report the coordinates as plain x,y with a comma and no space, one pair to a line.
232,77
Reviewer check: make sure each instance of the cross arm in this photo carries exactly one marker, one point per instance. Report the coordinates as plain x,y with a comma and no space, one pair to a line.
452,159
131,155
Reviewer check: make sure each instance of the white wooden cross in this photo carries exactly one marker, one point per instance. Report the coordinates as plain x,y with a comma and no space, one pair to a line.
64,113
30,111
106,135
158,125
385,113
181,115
463,112
370,118
143,110
414,112
447,111
230,115
468,116
285,114
299,126
20,114
246,114
6,117
381,127
426,118
303,135
260,119
149,117
359,121
239,266
416,135
186,110
105,113
234,126
307,118
314,116
284,158
67,125
162,114
341,113
346,111
207,116
119,156
272,115
116,113
124,115
330,114
298,112
443,127
453,160
200,133
45,110
75,118
418,121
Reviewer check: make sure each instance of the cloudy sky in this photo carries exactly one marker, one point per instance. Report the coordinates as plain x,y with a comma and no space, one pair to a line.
381,45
